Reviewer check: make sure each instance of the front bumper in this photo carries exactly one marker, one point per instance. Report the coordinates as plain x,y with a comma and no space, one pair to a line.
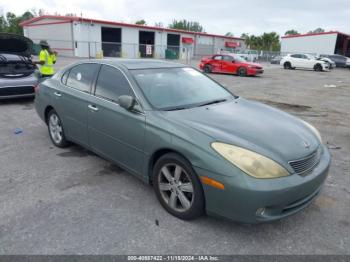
253,71
250,200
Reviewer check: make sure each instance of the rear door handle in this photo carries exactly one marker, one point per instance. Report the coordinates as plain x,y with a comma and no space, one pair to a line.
57,94
93,108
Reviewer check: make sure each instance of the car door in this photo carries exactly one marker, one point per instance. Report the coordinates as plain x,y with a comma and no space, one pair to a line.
308,62
114,131
71,100
216,63
228,64
296,61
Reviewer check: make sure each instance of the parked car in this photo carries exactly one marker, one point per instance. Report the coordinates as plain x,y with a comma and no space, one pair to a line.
249,55
202,147
276,60
230,64
292,61
18,75
340,60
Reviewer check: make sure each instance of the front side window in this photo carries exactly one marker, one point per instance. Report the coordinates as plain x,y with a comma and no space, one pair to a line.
111,83
174,88
228,58
81,76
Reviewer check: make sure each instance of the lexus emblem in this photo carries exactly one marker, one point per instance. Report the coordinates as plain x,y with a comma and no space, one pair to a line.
306,144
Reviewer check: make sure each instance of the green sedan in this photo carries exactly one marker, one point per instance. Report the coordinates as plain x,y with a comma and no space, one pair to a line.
204,149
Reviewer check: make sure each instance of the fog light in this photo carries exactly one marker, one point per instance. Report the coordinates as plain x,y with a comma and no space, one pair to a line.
260,211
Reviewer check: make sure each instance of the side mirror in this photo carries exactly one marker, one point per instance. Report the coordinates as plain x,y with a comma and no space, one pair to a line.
127,102
233,61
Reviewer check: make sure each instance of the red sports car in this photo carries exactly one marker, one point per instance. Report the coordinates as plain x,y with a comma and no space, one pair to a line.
231,64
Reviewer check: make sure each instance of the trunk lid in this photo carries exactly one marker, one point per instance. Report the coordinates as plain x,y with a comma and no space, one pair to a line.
15,44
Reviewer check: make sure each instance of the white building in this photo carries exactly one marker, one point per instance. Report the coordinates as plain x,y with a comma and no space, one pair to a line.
319,43
83,37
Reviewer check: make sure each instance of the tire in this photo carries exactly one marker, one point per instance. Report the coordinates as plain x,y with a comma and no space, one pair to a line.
287,65
55,129
318,68
242,71
207,69
177,187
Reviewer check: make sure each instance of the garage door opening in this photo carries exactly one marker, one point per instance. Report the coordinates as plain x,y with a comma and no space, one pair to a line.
173,46
111,41
146,44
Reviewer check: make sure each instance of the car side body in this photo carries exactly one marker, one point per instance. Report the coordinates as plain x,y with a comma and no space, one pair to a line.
18,75
303,61
340,60
230,64
136,139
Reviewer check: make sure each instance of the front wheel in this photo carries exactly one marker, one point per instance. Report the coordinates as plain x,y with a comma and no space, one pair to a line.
318,67
56,131
177,187
242,71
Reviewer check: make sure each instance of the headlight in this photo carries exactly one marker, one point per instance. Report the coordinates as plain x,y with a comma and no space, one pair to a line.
314,130
251,163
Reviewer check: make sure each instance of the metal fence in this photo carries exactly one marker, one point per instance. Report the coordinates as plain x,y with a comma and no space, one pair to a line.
188,54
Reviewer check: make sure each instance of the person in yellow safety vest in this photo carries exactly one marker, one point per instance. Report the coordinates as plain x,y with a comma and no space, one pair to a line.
47,59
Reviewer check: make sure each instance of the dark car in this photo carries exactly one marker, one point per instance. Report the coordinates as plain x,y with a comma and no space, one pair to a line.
18,75
276,60
340,60
203,148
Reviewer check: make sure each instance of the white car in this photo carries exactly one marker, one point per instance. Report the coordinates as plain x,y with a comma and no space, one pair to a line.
292,61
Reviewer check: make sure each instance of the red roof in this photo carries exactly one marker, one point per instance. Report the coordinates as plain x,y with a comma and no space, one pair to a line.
314,34
68,19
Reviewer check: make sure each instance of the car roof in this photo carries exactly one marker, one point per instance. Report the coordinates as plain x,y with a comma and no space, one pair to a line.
139,63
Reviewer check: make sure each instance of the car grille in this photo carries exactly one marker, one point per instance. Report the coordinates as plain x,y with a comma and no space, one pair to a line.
305,165
16,90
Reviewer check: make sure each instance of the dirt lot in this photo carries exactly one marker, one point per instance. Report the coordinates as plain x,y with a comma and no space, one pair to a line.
69,201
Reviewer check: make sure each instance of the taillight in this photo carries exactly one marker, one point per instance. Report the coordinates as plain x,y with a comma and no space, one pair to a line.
36,88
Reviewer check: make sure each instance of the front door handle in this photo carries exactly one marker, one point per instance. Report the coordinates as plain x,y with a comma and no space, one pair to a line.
93,108
57,94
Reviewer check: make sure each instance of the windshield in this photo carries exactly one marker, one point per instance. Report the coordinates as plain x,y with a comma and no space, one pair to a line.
178,88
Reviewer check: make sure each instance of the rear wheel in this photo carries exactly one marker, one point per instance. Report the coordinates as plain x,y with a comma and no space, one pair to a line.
56,131
318,67
242,71
207,69
177,187
287,65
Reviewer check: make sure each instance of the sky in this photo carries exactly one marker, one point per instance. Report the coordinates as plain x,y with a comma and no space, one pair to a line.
217,17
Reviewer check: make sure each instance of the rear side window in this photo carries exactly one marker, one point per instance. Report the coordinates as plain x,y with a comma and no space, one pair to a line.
218,57
228,58
111,83
81,76
295,56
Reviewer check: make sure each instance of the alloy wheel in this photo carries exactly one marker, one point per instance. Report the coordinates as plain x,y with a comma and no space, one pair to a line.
176,187
55,128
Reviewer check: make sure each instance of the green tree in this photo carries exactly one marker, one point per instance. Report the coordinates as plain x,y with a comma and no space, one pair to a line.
291,32
266,41
316,31
159,24
141,22
9,23
186,25
230,34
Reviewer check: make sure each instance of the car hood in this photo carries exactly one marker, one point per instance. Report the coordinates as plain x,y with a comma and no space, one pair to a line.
251,125
15,44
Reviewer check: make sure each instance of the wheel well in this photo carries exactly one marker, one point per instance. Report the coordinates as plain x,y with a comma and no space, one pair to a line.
154,158
47,110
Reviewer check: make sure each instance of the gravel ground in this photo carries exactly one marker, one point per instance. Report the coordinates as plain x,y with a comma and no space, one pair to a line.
70,201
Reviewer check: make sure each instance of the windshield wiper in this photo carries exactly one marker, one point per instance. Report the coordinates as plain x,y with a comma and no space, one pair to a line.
213,102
